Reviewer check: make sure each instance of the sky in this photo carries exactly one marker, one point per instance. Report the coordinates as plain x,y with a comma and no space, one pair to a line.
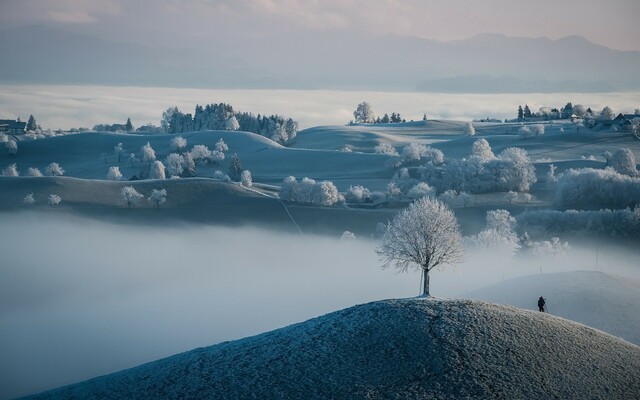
613,23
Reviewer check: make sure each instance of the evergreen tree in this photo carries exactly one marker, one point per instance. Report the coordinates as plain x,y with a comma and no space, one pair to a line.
31,124
424,117
527,111
235,169
385,119
567,110
520,113
128,126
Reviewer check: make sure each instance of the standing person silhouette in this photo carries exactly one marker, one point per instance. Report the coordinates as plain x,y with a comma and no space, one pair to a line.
541,303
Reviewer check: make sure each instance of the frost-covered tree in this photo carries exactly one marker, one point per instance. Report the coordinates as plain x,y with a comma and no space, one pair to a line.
12,147
128,126
167,117
469,130
606,114
579,110
624,162
119,151
32,126
232,124
635,127
189,164
245,178
157,170
54,199
32,171
424,236
308,191
147,154
357,194
130,196
589,188
217,174
325,193
422,189
519,172
158,197
11,170
221,146
29,199
347,236
200,153
175,164
499,232
385,148
54,169
525,132
415,152
114,174
235,168
364,113
552,179
537,129
132,159
217,157
482,150
178,143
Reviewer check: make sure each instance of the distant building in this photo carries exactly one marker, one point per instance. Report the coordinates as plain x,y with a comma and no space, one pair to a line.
12,126
623,121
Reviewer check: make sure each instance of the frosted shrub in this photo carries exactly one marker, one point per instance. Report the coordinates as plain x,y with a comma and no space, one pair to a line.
147,154
347,236
175,164
178,143
420,190
232,124
221,146
393,191
308,190
54,169
385,148
114,174
54,199
469,130
403,180
551,176
217,174
589,189
12,147
357,194
415,152
130,196
158,197
11,170
200,153
537,129
29,199
32,171
525,132
217,157
624,162
157,170
245,178
482,151
498,234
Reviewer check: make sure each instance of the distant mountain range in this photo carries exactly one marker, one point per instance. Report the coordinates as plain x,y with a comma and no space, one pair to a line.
487,63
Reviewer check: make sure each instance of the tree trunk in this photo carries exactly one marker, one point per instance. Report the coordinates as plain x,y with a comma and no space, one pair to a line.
425,287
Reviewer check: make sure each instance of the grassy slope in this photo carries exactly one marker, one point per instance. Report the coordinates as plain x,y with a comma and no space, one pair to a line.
603,301
412,348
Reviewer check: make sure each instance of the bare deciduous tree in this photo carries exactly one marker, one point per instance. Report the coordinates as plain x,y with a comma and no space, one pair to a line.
424,236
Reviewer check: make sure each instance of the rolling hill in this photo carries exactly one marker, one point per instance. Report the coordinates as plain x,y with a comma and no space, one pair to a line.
413,348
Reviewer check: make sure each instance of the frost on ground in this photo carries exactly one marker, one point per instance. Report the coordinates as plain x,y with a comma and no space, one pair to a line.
412,348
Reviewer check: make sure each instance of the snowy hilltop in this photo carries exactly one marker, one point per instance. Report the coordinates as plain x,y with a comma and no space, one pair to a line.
412,348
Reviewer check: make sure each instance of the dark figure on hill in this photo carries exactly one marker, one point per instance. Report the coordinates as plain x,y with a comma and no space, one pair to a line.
541,303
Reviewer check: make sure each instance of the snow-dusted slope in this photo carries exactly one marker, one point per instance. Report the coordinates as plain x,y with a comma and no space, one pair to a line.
603,301
413,348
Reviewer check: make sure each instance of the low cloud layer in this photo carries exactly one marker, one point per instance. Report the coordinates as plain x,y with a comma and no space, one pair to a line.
84,106
80,298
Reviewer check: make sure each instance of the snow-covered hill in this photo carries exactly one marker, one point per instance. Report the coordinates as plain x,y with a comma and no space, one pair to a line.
412,348
606,302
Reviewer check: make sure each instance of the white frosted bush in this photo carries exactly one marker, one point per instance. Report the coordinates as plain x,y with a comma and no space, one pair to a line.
32,171
54,169
54,199
11,170
245,178
29,199
114,174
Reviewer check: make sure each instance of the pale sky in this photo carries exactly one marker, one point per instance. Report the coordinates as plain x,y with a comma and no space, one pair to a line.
612,23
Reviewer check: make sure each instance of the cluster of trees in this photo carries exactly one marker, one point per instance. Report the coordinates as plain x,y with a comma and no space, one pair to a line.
590,189
53,169
52,200
223,117
364,115
126,127
605,223
580,111
308,191
482,172
130,196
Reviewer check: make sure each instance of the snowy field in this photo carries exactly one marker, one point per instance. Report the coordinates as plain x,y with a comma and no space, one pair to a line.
220,261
